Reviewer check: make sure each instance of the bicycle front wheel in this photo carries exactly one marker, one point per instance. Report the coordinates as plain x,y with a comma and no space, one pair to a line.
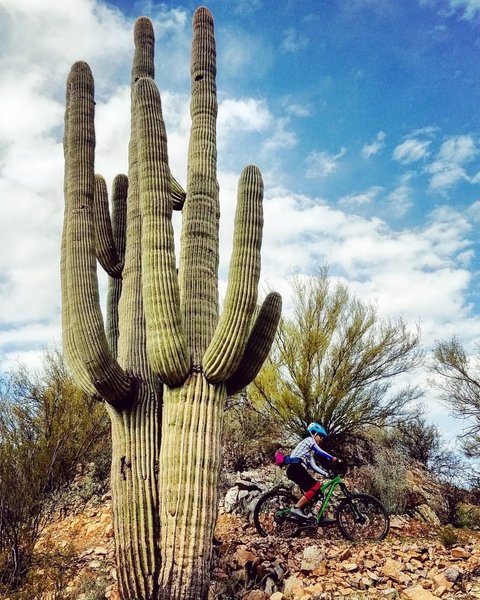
271,514
363,518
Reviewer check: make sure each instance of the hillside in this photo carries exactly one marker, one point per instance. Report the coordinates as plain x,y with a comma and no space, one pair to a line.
411,564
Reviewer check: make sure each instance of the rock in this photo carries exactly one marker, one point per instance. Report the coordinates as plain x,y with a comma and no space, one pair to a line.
459,553
255,595
451,574
243,555
418,593
312,558
392,569
230,500
424,512
397,522
277,596
390,593
293,587
441,581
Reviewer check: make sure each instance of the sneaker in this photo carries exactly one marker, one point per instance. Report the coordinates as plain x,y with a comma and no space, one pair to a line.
299,514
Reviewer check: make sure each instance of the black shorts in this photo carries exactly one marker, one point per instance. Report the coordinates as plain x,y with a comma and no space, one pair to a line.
297,473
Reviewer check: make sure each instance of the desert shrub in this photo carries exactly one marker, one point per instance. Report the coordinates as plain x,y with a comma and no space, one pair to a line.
448,536
250,437
385,478
91,586
47,426
48,574
468,516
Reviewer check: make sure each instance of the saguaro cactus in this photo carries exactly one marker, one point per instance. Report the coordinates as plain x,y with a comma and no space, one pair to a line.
166,361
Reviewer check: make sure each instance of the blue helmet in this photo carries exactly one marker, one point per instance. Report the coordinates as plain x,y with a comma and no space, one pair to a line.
316,428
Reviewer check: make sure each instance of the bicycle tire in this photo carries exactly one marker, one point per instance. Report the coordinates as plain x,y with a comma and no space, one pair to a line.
267,522
363,518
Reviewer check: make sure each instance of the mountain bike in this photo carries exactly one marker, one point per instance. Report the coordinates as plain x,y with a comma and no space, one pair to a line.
360,517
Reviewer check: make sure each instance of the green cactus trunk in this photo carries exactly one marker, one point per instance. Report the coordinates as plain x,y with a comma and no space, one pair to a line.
166,360
189,466
136,438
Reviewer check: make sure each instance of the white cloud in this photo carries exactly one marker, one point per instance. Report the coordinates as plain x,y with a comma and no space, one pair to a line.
246,114
400,199
411,150
374,147
281,137
467,9
298,110
447,168
417,273
361,199
322,164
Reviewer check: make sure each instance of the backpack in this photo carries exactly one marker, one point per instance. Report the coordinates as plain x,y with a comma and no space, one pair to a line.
281,460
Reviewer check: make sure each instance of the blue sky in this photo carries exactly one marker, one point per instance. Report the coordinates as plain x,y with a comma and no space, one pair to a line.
362,115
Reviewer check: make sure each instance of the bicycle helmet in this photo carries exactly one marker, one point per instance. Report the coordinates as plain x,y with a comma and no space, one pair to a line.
316,428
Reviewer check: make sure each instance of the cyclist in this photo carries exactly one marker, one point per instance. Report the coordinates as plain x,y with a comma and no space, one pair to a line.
303,458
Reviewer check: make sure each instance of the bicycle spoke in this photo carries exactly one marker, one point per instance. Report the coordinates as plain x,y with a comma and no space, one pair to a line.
271,515
363,518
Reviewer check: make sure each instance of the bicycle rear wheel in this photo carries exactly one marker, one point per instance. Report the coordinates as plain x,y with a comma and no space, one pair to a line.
271,514
363,518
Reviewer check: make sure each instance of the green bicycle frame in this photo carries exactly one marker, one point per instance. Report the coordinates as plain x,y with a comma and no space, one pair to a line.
327,490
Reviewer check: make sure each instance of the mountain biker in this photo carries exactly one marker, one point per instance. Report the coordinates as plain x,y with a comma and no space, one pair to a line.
297,472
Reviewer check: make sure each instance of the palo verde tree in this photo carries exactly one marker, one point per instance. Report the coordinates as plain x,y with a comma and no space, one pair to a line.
335,360
457,376
166,360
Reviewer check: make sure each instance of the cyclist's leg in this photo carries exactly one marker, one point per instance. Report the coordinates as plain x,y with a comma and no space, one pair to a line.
298,474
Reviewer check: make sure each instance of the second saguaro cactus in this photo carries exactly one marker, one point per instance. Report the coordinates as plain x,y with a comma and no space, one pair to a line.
166,360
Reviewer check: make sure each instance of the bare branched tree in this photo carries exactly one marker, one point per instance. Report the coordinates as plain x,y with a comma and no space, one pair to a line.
457,377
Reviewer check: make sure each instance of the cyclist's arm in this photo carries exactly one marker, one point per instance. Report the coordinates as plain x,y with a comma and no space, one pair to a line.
313,465
316,448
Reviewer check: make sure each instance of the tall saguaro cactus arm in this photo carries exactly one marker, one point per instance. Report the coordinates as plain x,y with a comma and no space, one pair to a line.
85,341
166,344
223,355
258,345
105,244
199,252
119,229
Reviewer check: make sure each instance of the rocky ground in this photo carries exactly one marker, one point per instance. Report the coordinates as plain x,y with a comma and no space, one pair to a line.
411,564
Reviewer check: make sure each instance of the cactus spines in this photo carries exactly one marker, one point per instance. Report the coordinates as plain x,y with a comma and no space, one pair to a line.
167,360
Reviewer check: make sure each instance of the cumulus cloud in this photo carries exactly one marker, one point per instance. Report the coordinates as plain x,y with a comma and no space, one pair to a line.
411,150
322,164
282,137
245,114
375,146
448,166
400,198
